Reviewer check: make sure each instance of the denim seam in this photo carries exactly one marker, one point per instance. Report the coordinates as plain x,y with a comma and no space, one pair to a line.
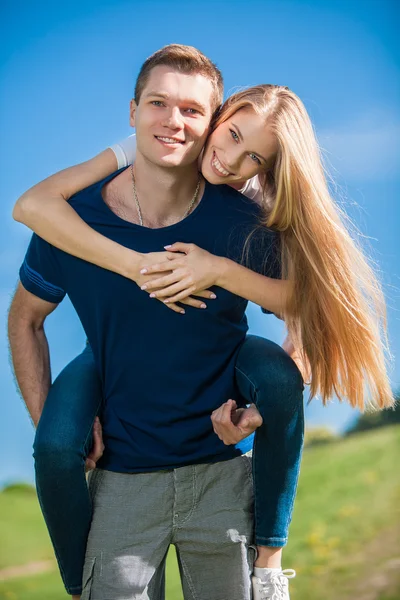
74,590
272,539
255,492
248,379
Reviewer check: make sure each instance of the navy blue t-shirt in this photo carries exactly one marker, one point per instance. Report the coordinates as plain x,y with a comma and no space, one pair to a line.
162,373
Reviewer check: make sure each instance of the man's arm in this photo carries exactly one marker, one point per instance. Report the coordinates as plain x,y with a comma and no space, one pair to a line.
29,348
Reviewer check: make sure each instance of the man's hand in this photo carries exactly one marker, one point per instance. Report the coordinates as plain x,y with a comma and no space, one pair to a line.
232,424
98,446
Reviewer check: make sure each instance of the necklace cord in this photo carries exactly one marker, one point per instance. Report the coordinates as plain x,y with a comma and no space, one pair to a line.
139,211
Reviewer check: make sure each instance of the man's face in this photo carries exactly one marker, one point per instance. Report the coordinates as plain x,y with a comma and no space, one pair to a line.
173,117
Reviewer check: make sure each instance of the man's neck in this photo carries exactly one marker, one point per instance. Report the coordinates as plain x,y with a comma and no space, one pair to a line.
164,194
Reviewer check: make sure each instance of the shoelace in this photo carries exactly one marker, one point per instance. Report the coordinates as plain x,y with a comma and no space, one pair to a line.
277,584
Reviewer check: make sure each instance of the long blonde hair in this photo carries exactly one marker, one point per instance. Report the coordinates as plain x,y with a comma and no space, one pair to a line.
336,314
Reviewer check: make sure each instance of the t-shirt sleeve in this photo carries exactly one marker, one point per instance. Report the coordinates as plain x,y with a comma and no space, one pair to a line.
125,151
263,252
40,273
274,266
265,255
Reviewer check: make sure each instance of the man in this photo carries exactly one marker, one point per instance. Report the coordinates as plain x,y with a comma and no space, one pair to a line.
165,477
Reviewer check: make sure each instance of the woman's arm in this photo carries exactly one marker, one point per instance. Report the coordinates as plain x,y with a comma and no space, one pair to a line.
45,210
271,294
198,269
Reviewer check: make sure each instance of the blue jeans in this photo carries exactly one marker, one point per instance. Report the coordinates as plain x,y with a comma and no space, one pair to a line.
266,376
269,378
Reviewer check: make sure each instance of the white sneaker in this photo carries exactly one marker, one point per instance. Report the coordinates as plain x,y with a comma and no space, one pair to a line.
274,587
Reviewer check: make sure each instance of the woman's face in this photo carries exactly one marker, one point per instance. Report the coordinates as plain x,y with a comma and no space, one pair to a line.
238,149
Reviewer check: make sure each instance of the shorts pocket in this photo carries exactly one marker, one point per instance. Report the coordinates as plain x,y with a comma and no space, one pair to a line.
87,579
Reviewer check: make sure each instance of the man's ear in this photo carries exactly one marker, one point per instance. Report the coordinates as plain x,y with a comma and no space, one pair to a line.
132,112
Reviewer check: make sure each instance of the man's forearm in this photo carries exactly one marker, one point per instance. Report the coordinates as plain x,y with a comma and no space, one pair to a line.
31,362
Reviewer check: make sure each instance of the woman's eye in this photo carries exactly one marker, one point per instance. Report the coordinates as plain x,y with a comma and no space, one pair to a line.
234,135
255,158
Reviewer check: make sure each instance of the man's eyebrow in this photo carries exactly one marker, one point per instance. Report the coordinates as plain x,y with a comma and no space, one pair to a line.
189,101
241,139
196,103
158,94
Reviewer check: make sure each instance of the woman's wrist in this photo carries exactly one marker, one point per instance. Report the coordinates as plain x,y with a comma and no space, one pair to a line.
221,270
130,263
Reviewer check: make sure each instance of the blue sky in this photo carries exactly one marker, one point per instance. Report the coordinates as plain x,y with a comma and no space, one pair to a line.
67,73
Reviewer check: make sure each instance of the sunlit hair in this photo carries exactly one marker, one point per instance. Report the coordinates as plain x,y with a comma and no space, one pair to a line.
336,314
184,59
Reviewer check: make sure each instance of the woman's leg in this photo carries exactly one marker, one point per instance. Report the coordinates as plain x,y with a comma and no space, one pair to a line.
63,440
268,377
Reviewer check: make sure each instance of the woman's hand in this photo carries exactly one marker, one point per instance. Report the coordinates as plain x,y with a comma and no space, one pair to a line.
233,424
192,271
146,282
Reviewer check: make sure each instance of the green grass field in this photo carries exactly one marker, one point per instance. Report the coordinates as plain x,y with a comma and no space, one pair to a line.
344,539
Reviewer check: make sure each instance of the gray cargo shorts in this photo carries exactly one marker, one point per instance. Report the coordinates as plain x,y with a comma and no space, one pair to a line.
205,510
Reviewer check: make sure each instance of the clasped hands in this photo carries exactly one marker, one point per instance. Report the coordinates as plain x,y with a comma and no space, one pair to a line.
184,273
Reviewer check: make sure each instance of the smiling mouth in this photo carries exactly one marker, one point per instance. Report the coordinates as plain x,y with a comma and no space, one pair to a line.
168,140
222,172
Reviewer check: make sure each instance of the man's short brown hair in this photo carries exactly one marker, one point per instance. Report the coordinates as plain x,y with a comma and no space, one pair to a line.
184,59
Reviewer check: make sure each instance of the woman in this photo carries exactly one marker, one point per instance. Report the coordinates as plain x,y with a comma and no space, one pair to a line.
262,144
